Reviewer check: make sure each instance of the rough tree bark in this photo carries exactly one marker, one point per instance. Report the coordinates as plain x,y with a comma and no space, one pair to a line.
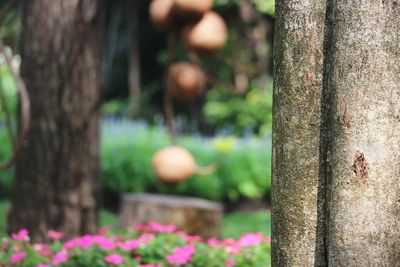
358,202
298,71
364,81
57,177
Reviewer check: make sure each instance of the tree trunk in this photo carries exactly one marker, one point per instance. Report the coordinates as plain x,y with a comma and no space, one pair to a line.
298,72
356,136
57,174
364,78
134,56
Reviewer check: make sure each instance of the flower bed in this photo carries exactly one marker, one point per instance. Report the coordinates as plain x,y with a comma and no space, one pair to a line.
152,245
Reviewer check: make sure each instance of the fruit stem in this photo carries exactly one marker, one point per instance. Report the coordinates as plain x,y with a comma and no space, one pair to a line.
168,106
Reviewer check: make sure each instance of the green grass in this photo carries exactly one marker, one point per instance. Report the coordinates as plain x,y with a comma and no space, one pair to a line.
233,224
236,223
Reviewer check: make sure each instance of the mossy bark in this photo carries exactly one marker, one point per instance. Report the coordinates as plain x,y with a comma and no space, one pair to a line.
364,159
57,173
298,56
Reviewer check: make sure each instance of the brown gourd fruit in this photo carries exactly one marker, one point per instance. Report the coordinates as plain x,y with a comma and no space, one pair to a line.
192,9
208,35
173,164
162,16
185,81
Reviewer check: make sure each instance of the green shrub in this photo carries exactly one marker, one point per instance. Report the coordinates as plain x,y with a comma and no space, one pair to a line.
239,113
127,149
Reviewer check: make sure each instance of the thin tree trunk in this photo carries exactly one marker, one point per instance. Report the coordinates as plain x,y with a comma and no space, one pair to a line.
298,72
57,174
364,78
134,56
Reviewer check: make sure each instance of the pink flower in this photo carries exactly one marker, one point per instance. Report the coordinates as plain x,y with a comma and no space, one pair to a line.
129,245
248,240
115,259
70,244
104,242
104,230
143,239
233,250
181,255
54,235
142,228
42,265
159,228
189,238
230,262
85,241
212,242
17,257
42,249
60,257
231,246
23,234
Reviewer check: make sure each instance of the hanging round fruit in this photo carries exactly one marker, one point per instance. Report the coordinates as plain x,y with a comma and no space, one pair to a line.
186,81
173,165
192,9
208,35
162,16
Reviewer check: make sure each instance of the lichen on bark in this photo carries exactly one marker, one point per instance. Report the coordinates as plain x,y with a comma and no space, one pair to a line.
298,72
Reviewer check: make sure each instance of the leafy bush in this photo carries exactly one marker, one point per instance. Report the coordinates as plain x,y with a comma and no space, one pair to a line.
127,149
238,113
150,245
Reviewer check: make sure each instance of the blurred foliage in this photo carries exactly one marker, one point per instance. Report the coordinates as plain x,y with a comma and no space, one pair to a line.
10,28
6,176
238,114
224,145
127,150
9,88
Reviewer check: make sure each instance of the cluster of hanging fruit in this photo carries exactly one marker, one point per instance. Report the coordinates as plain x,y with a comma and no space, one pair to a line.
202,31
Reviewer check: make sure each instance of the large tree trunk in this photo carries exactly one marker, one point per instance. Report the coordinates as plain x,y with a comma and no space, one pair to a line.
298,71
364,80
57,175
356,136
